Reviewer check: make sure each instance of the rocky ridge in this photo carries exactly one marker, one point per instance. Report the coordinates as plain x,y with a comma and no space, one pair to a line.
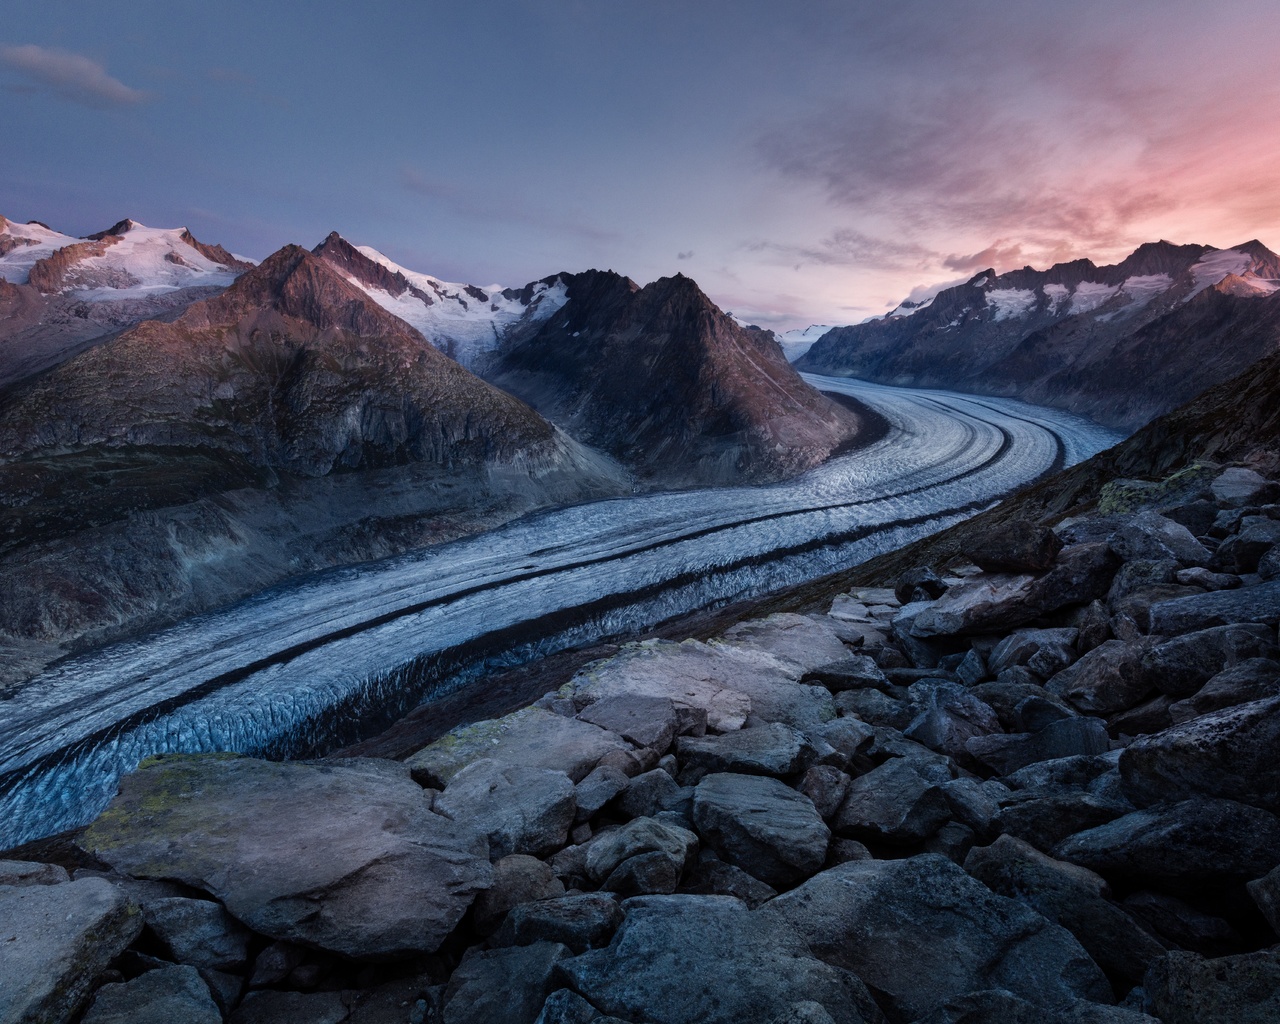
1033,782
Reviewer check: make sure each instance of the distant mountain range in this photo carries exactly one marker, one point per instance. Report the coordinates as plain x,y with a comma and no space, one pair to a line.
1121,344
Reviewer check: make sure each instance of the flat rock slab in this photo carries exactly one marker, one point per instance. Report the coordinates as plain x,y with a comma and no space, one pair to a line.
166,995
804,640
530,738
708,960
520,809
340,858
771,749
645,721
1219,608
54,941
762,826
920,931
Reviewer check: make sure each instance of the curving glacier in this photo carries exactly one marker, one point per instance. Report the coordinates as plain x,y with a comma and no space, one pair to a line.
315,662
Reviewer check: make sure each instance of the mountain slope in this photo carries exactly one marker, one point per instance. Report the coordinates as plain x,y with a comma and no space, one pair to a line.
1119,343
664,381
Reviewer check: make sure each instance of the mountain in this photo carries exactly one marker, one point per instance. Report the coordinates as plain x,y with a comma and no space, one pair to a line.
1120,343
665,382
463,321
797,342
286,424
58,294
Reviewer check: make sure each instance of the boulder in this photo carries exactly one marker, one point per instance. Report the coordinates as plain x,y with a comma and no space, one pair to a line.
1229,753
520,809
892,804
920,931
826,787
645,721
26,872
986,604
260,836
650,793
1044,818
1181,665
517,879
198,932
1221,608
564,1006
1269,564
856,672
667,845
54,942
580,921
713,877
1184,988
806,641
271,1007
1238,486
1250,680
1000,1006
1205,579
597,789
708,960
529,738
1071,896
762,826
1067,737
1044,651
1149,535
948,716
1004,696
163,996
770,749
1018,546
1242,552
877,708
1266,894
1178,924
1196,846
975,804
1140,575
502,986
1111,677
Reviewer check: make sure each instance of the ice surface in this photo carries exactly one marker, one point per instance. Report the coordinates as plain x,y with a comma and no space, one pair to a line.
1089,295
15,265
1212,267
797,342
1056,294
286,672
1011,302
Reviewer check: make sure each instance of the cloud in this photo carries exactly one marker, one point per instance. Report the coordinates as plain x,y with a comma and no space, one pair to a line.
71,76
685,255
848,247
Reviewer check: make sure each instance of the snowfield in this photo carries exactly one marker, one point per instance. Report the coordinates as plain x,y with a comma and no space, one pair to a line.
292,671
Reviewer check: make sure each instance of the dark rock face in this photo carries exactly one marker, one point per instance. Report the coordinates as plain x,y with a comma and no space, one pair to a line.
1224,607
1021,547
1183,988
664,381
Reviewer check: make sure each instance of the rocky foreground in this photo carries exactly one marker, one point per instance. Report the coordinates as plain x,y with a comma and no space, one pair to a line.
1037,784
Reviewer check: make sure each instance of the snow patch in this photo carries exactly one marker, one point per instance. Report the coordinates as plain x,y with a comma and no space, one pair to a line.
1089,295
1056,294
31,243
1212,267
1010,302
797,342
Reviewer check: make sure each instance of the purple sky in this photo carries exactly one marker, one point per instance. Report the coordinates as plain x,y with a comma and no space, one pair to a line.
809,162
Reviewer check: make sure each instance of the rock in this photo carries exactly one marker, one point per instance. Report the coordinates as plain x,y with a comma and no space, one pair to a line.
530,738
918,584
771,749
1139,575
806,641
826,787
291,1008
580,921
1238,486
852,673
1084,573
1111,677
597,789
876,708
1000,1006
985,604
972,669
851,737
1044,651
1197,516
54,941
1180,666
1152,715
394,879
1229,753
892,804
1266,894
645,721
1045,818
716,878
708,960
1149,535
1005,696
564,1006
1221,608
275,963
1177,923
1018,546
1071,896
650,793
1082,771
1207,580
1184,988
1068,737
610,850
974,804
953,841
163,996
1195,846
517,879
502,986
1255,679
26,872
948,717
1269,564
198,933
883,921
520,809
1031,714
762,826
932,766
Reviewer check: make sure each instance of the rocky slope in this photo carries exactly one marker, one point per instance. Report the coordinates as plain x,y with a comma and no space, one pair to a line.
187,463
1121,344
664,381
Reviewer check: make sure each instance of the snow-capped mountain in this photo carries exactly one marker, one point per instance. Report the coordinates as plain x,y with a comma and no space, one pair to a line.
461,320
1121,343
796,343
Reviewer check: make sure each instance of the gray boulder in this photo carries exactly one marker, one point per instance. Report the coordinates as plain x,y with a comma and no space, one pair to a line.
1149,535
708,960
198,932
645,721
1269,564
517,879
826,787
580,921
1071,896
1221,608
597,789
650,793
1238,486
1018,546
1180,666
856,672
770,749
1266,894
1184,988
948,716
260,836
1067,737
668,848
892,804
1004,696
1111,677
54,941
762,826
163,996
1180,925
1193,847
1229,753
1000,1006
1044,818
1044,651
1242,552
26,872
1254,679
713,877
920,931
502,986
519,809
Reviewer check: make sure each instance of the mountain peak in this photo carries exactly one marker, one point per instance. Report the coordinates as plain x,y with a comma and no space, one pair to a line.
120,227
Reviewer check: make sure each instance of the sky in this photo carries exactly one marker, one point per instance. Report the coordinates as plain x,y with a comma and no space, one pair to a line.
806,162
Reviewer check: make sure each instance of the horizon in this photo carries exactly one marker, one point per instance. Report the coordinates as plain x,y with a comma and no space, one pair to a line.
805,167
